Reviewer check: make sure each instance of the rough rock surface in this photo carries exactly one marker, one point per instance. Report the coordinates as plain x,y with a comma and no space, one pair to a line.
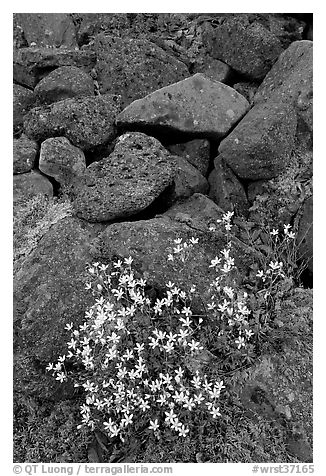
196,106
125,183
291,80
259,147
226,190
86,122
23,101
63,83
248,47
31,183
49,291
197,211
61,160
48,29
187,181
33,64
150,241
24,155
213,69
196,152
247,89
134,67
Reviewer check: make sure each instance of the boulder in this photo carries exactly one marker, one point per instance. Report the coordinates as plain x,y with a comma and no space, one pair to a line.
226,190
150,241
125,183
197,211
24,155
291,81
61,160
304,237
29,184
196,152
259,147
134,67
187,181
49,292
23,101
33,64
86,122
196,107
248,47
213,69
63,83
47,29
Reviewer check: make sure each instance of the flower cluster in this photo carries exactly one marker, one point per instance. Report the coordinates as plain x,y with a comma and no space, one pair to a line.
132,353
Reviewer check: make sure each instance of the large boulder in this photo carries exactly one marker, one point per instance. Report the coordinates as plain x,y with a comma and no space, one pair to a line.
226,190
61,160
24,155
291,81
49,292
134,67
86,122
213,69
29,184
23,101
247,46
259,147
150,241
196,152
125,183
63,83
33,64
195,107
47,29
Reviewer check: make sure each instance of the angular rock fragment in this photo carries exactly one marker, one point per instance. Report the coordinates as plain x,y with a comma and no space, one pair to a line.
63,83
24,154
33,64
48,29
196,107
291,81
86,122
23,101
31,183
226,190
248,47
134,67
61,160
125,183
259,147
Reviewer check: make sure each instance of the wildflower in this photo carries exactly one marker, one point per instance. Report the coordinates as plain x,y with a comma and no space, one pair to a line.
274,232
196,381
49,367
240,342
167,379
72,344
291,235
153,425
178,241
175,424
189,404
219,385
61,377
139,347
159,334
183,431
128,260
185,322
198,398
161,399
249,333
195,346
170,416
168,347
170,285
186,311
275,266
170,257
144,405
194,241
128,354
68,327
171,337
117,264
215,412
215,262
154,342
286,229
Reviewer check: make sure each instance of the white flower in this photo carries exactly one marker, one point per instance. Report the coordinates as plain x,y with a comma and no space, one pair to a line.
49,367
170,416
170,285
117,264
175,424
144,405
61,377
240,342
198,398
68,327
178,241
286,229
215,412
183,431
195,346
291,235
129,354
274,232
249,333
215,262
193,240
128,260
170,257
185,322
154,342
139,347
196,381
153,425
189,404
168,347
